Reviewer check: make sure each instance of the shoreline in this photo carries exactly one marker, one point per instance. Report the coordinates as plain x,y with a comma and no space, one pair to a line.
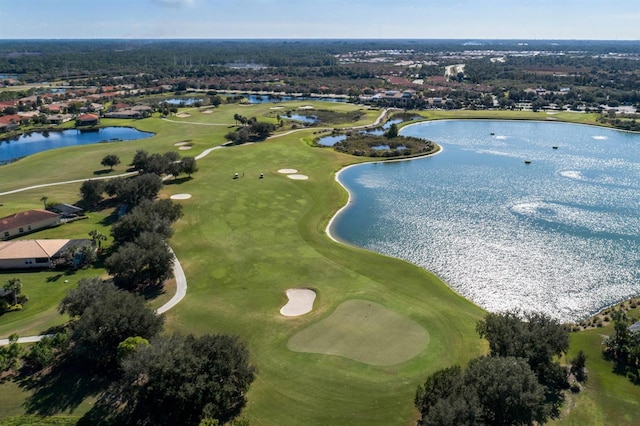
327,229
574,322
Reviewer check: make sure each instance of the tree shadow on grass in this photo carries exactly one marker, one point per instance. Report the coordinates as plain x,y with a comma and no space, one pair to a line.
102,172
177,181
54,278
150,292
62,389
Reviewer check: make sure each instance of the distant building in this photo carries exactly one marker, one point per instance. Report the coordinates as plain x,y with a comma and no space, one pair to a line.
27,221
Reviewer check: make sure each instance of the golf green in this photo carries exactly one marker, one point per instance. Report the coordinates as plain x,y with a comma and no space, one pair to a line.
363,331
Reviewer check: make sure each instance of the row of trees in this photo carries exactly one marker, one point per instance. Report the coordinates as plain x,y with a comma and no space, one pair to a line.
518,383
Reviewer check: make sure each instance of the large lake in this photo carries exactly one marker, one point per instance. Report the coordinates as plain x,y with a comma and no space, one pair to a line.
560,235
29,144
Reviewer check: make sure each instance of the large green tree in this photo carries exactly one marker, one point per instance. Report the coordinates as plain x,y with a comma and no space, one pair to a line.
492,391
148,216
89,291
110,160
140,264
91,192
107,321
536,337
182,380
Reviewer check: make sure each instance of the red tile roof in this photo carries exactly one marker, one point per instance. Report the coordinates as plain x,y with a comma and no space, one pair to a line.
28,217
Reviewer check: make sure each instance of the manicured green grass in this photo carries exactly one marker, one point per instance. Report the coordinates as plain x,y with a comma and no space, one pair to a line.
363,331
244,242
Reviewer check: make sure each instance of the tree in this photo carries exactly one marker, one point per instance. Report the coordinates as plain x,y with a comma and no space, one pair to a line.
97,238
189,165
393,131
139,161
110,160
45,352
441,385
578,366
129,345
145,262
91,192
623,346
508,391
88,292
148,216
44,201
10,354
14,286
183,380
107,321
535,337
132,225
492,391
143,187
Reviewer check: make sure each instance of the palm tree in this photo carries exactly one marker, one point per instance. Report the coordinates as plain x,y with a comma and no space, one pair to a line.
97,237
14,285
44,200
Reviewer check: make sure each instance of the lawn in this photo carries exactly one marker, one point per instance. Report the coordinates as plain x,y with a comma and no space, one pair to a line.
244,242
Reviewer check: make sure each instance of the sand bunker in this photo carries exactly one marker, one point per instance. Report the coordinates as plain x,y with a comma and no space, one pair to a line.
300,302
180,196
298,177
207,111
181,143
183,115
306,107
287,171
276,108
185,147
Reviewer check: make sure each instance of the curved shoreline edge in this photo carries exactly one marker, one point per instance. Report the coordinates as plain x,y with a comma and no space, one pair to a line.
350,196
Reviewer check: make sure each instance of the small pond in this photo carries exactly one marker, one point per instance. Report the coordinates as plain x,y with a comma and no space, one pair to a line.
27,144
263,99
308,119
331,140
186,101
380,130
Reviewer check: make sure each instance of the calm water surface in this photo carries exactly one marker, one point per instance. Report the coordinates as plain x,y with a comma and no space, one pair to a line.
559,235
38,141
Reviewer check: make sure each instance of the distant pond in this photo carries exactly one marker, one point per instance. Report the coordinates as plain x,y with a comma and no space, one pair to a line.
32,143
262,99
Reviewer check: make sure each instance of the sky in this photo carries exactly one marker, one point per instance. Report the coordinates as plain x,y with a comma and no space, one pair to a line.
335,19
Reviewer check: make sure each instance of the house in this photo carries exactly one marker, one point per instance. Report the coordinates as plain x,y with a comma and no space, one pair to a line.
20,254
59,118
25,222
11,122
87,120
126,113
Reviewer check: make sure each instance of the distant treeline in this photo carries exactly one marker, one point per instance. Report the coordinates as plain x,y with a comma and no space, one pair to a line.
41,60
